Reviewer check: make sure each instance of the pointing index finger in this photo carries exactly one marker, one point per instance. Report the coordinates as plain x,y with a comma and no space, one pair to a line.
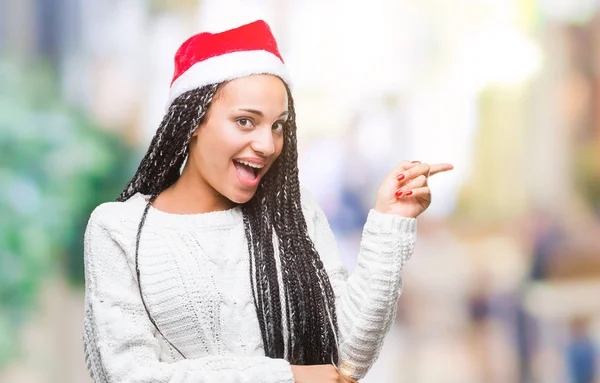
439,168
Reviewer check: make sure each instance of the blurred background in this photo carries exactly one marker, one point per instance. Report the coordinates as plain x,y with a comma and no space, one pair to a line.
504,285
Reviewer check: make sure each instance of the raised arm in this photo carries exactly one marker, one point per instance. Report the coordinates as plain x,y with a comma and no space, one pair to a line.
366,301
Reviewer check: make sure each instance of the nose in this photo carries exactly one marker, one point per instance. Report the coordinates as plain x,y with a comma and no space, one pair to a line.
262,142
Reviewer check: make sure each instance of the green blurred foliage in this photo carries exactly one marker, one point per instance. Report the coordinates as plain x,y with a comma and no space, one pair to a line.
56,165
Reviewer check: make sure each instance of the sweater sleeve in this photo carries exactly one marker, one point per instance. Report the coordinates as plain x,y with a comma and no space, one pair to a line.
120,343
366,301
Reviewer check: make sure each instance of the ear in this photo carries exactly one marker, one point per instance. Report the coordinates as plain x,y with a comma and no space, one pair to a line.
195,134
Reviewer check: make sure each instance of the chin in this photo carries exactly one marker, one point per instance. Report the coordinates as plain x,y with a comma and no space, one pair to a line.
241,197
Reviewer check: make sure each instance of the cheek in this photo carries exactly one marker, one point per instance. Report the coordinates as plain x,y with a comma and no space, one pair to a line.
214,147
278,146
209,156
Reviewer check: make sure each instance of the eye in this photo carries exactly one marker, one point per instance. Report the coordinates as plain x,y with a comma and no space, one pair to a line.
244,122
278,126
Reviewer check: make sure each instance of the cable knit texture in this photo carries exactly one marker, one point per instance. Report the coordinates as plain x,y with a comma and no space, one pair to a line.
194,277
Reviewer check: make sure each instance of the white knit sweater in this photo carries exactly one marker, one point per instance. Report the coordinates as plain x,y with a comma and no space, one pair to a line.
195,279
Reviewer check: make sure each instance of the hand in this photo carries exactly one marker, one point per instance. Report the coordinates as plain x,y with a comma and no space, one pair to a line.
404,191
322,373
325,373
343,378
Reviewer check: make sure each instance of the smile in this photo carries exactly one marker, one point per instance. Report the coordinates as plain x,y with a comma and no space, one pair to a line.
248,173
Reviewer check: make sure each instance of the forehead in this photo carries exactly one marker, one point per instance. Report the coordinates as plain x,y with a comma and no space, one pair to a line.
255,89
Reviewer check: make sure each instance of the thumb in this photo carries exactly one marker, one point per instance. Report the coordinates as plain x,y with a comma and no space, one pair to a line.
343,378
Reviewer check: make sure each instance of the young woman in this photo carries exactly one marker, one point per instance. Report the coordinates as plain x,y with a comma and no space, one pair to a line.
214,265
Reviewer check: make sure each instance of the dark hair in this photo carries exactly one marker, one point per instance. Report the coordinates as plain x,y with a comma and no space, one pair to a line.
275,210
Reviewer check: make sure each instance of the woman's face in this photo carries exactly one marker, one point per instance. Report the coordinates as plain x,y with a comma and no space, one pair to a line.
240,139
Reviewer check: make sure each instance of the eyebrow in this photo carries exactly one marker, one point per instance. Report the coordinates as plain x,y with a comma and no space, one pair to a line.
261,114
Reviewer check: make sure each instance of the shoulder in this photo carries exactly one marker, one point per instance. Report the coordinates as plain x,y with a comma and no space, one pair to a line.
115,222
310,205
316,220
114,215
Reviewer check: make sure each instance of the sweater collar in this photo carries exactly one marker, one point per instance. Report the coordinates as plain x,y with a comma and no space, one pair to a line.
228,217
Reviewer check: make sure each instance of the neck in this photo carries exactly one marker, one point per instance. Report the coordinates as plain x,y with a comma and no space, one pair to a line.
191,195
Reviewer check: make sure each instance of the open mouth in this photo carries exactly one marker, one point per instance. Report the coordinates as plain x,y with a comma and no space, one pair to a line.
247,170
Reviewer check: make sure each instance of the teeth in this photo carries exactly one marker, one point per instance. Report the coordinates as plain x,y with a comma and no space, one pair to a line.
256,166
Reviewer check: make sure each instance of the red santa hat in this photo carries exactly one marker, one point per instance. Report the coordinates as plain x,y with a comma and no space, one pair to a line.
211,58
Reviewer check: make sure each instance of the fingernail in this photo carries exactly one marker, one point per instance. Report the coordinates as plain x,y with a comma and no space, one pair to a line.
400,177
416,162
408,193
399,193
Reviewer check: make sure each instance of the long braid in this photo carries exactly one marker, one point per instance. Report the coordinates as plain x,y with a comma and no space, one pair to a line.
310,307
274,212
160,167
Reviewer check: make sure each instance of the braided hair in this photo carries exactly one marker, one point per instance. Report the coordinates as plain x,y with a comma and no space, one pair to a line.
273,216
